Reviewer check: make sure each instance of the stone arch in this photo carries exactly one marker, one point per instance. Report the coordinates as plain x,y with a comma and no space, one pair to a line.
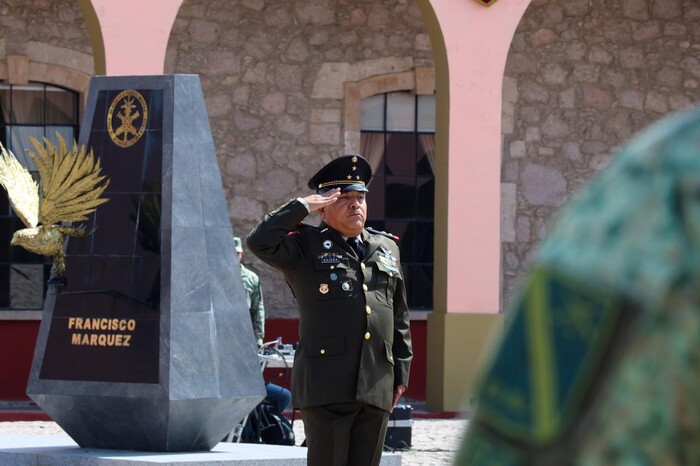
420,81
20,69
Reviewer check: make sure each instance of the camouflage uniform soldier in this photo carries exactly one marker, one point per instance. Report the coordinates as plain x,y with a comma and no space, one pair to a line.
254,298
600,363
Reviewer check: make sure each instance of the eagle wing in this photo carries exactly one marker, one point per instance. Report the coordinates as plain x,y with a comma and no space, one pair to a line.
21,188
71,184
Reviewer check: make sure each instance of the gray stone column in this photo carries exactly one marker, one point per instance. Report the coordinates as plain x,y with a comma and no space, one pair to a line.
150,346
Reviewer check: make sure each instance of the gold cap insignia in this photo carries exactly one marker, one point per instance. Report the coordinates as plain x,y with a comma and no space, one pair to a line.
349,173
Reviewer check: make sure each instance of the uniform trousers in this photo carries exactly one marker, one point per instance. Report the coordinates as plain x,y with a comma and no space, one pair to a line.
344,434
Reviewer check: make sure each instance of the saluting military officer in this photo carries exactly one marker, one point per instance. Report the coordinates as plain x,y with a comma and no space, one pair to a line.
352,362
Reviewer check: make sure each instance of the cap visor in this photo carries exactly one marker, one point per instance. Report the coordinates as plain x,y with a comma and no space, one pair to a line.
355,187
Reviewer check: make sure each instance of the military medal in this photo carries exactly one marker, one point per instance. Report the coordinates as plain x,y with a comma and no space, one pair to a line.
388,261
323,288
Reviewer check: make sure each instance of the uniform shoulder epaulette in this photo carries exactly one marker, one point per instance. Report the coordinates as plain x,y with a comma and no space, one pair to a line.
383,233
300,226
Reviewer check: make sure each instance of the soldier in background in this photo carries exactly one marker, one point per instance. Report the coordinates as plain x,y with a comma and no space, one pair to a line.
600,363
277,396
254,297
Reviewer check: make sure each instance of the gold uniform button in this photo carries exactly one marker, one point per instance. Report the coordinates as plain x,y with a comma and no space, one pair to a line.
367,336
362,266
364,287
368,310
323,351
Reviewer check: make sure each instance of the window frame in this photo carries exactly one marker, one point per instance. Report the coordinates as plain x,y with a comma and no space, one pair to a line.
15,257
381,217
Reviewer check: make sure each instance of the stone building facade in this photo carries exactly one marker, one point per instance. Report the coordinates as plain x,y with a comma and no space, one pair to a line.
50,30
53,33
583,76
274,76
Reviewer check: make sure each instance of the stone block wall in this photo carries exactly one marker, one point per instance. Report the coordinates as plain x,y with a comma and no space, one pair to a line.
273,75
52,32
582,77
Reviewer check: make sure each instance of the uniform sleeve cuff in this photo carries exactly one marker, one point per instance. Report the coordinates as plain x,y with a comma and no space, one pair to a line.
304,203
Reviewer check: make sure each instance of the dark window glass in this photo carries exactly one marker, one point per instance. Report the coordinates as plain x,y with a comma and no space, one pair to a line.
425,197
36,110
61,107
4,104
375,203
401,154
423,164
28,105
419,282
402,192
400,196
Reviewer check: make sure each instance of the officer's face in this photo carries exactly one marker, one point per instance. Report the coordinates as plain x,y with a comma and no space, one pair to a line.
347,214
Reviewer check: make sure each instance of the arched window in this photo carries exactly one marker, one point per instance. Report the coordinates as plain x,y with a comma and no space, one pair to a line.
398,138
37,110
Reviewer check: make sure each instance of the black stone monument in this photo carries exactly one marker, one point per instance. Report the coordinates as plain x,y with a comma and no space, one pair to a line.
150,345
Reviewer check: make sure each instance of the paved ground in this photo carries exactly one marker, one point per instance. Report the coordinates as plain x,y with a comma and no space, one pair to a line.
435,441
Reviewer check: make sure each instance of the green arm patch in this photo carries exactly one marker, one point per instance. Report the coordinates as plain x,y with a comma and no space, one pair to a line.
560,332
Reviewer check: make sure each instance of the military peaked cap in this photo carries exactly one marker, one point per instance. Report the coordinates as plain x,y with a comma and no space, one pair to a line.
350,172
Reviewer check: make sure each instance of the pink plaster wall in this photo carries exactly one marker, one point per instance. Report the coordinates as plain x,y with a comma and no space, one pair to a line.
135,34
477,40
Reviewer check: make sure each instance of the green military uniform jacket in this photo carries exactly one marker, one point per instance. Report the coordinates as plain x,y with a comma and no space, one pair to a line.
254,298
355,342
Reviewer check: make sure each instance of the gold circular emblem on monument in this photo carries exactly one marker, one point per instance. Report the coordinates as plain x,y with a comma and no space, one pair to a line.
127,118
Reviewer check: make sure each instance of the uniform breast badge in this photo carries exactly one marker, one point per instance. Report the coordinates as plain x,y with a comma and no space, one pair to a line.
323,288
388,261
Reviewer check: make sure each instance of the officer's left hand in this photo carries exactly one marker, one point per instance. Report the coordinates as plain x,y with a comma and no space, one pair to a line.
397,395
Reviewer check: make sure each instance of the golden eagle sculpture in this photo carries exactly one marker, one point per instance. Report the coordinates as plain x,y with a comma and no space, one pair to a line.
70,188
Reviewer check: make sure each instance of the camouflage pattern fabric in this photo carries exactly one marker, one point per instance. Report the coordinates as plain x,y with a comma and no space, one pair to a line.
254,298
600,361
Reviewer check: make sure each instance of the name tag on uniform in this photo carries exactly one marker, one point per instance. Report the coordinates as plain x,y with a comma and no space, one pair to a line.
330,258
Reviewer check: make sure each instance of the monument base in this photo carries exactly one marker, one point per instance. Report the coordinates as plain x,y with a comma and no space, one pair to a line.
30,450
